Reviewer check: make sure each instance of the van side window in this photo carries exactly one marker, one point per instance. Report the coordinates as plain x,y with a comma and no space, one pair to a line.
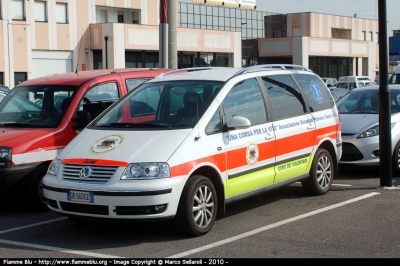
133,83
285,97
103,92
95,101
246,100
316,93
215,124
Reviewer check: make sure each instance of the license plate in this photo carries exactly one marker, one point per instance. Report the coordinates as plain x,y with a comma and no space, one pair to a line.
81,196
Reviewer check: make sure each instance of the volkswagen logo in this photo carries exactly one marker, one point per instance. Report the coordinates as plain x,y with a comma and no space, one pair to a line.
85,172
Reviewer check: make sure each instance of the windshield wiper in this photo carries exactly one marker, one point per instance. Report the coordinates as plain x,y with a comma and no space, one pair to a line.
15,124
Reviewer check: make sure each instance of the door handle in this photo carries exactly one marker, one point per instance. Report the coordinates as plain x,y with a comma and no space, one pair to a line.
269,136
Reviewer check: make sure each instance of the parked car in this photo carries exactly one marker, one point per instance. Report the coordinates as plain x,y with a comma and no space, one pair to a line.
352,82
376,80
4,89
182,146
360,129
330,82
39,117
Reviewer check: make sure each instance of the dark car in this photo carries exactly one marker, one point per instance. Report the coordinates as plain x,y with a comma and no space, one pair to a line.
4,89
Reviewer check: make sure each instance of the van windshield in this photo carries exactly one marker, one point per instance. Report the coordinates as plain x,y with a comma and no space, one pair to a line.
35,106
167,104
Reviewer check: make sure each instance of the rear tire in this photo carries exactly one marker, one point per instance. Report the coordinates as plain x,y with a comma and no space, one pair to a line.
197,207
396,160
321,174
35,191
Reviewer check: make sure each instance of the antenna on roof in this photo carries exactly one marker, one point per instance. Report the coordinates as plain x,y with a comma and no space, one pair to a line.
79,52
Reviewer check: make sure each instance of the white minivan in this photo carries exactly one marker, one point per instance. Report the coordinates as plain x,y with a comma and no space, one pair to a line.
352,82
183,146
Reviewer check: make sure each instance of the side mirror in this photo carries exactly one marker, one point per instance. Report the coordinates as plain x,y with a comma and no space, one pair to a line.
239,122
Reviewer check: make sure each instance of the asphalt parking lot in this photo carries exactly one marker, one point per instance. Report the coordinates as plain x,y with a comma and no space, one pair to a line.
356,219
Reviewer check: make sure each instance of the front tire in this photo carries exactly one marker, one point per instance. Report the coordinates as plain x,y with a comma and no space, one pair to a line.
197,207
321,174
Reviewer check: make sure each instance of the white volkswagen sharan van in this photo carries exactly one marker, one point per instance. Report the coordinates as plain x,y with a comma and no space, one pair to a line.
183,146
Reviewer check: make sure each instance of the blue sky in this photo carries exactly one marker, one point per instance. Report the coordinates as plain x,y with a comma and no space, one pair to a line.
363,8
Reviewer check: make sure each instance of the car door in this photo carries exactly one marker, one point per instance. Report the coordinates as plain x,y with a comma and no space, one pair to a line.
250,151
293,125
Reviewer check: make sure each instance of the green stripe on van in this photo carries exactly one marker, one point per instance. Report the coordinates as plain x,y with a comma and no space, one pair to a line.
265,177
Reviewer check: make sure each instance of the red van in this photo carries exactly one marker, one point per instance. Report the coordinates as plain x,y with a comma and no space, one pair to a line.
39,117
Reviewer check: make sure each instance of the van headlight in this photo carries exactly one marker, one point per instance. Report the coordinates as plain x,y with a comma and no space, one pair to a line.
54,166
372,132
146,171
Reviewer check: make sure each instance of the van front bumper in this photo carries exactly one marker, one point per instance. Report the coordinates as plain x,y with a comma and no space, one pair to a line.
159,200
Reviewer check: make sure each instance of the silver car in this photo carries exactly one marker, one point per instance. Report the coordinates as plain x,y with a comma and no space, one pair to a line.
360,126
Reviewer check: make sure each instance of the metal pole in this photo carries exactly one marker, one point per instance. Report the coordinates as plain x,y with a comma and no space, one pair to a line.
385,135
106,43
172,34
163,34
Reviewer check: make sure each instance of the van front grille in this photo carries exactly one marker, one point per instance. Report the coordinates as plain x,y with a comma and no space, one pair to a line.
88,173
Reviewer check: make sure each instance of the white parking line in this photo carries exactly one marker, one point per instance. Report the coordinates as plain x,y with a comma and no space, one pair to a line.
64,250
31,225
333,184
341,185
265,228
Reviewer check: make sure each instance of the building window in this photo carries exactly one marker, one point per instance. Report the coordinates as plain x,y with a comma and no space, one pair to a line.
18,9
97,59
103,16
1,78
377,37
19,77
364,35
136,17
120,17
365,66
61,13
151,60
40,11
371,36
133,59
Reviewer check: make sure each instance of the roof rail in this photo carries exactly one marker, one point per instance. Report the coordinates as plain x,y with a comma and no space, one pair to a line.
191,69
280,66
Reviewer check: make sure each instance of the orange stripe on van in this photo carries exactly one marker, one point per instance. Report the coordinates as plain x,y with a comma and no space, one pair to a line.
94,162
237,158
183,169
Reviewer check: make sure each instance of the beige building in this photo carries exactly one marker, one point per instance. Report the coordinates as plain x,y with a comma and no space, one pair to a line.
332,46
46,37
